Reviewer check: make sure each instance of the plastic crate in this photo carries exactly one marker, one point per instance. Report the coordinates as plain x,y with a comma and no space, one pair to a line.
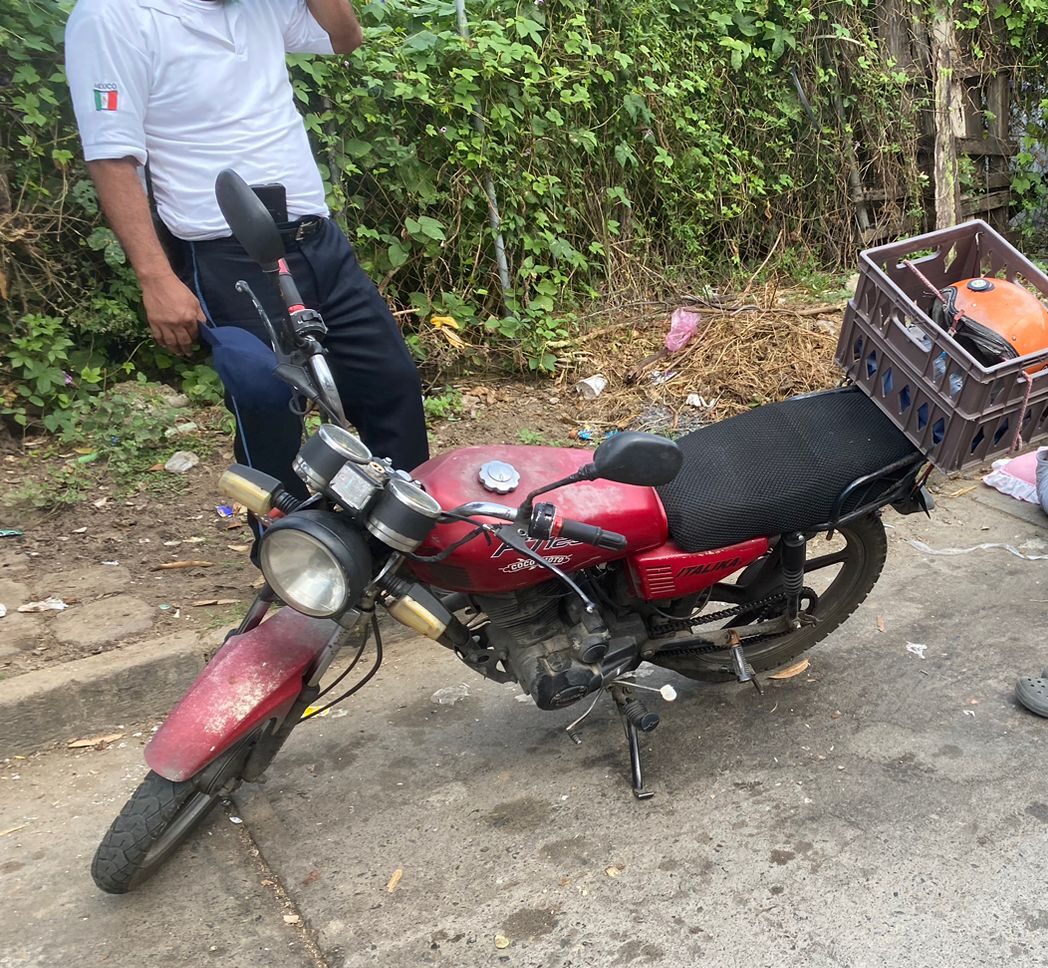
954,410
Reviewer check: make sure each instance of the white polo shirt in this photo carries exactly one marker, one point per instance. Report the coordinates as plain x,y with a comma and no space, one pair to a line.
194,87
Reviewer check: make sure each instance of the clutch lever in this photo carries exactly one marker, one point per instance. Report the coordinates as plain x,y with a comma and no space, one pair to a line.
274,339
510,535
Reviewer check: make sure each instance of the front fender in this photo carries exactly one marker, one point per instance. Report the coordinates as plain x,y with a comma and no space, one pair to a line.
254,677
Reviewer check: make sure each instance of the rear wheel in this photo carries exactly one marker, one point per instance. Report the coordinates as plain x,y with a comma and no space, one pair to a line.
840,572
157,818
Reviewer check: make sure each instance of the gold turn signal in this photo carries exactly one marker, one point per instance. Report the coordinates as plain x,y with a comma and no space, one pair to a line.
252,488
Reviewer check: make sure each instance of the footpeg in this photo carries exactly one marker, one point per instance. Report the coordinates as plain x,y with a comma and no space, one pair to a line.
743,670
637,713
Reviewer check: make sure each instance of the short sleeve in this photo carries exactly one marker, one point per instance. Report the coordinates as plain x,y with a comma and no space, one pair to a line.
109,80
302,33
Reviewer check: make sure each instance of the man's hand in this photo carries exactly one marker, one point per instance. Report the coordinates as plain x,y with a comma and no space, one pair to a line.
174,313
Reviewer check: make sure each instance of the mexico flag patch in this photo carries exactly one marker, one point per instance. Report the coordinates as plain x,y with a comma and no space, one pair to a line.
106,97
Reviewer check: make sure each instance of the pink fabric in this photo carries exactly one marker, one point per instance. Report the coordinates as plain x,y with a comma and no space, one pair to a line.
1016,477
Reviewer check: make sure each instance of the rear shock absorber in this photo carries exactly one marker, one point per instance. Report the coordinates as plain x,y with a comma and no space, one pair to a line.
794,547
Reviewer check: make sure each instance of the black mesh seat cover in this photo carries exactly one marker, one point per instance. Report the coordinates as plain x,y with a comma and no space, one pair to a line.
777,468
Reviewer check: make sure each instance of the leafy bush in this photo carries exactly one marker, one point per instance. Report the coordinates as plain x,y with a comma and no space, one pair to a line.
629,143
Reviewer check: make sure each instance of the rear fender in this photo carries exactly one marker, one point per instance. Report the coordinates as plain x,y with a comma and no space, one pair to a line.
253,678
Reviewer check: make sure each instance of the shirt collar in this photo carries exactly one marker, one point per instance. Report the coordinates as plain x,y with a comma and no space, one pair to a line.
191,18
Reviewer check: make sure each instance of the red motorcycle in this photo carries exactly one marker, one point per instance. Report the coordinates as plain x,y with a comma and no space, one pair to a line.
719,556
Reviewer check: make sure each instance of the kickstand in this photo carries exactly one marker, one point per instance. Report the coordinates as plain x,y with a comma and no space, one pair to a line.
635,719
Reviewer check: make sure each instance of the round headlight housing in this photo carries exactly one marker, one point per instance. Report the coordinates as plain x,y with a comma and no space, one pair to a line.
315,562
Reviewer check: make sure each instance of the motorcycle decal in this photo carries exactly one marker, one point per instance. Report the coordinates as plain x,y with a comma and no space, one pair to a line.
539,547
729,566
526,564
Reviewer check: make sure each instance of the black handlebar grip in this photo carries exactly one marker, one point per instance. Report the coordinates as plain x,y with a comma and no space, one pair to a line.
289,291
588,534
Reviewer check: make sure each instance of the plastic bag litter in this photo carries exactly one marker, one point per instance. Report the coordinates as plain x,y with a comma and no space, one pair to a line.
683,325
450,695
181,461
49,604
951,552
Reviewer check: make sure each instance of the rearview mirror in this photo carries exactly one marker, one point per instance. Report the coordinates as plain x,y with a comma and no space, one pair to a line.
635,458
249,219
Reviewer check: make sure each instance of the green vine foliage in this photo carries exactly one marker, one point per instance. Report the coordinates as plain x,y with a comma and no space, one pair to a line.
625,139
630,144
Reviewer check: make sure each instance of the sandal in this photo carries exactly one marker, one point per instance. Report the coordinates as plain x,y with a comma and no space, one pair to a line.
1032,692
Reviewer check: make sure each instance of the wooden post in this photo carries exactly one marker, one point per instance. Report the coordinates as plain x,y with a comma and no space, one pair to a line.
998,173
949,117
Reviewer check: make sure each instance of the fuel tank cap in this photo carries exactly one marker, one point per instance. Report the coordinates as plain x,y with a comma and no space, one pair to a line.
499,477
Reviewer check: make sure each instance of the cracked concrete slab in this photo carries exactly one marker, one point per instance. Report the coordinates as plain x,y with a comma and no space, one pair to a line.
217,911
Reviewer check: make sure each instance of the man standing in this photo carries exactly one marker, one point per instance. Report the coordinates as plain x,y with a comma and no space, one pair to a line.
187,88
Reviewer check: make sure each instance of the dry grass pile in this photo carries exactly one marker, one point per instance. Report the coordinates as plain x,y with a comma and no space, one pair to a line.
739,358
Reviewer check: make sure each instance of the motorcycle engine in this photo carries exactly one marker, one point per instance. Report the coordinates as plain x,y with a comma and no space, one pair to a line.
528,633
543,645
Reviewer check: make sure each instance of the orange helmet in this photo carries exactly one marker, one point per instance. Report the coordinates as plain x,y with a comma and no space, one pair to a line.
994,320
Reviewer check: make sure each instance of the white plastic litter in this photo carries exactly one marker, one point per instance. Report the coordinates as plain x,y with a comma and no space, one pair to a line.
450,695
951,552
3,610
49,604
181,461
917,648
592,387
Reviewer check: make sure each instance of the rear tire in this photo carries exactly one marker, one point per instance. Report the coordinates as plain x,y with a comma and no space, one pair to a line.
866,547
157,818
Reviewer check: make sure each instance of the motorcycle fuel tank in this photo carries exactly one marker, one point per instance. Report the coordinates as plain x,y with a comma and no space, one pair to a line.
479,566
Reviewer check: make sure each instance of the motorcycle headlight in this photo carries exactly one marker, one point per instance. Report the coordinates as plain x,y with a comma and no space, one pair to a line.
315,562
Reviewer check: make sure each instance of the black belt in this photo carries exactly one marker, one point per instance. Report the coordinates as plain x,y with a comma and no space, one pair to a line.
301,229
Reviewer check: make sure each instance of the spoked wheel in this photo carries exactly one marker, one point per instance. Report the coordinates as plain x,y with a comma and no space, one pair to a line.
157,818
840,572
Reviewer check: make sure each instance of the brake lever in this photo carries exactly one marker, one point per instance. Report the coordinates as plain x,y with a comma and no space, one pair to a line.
328,396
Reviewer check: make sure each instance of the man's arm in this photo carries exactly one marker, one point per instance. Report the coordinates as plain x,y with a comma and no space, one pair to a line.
172,310
339,21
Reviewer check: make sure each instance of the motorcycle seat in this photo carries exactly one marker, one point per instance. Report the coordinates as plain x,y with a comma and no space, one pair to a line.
778,468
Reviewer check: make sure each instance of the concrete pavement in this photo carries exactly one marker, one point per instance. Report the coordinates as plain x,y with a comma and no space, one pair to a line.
882,809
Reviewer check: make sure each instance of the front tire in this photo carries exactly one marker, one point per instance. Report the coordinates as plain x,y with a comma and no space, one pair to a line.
157,818
861,559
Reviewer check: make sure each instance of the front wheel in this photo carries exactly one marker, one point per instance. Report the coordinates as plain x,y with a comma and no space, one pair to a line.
841,572
157,818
